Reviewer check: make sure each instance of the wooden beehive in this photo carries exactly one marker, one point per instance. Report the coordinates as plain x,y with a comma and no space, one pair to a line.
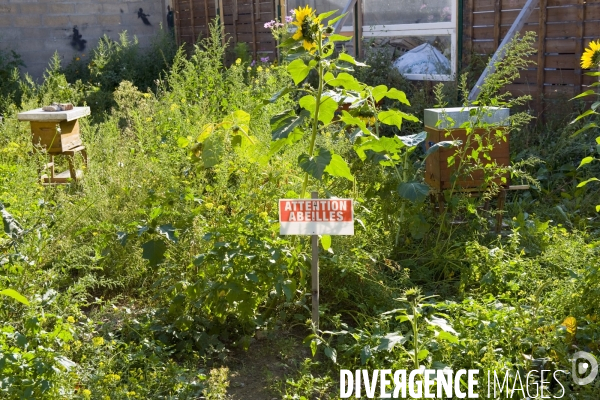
56,132
438,174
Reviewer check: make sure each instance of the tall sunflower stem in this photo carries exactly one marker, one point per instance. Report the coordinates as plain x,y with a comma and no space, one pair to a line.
315,124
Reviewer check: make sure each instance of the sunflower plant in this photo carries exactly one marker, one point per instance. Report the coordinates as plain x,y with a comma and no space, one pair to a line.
339,103
590,60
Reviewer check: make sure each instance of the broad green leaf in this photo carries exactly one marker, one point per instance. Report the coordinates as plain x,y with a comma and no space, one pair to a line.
65,362
379,92
289,289
298,70
585,114
207,130
11,227
285,126
167,231
351,60
315,166
390,340
326,242
586,93
313,347
325,15
585,128
396,94
338,167
413,140
331,353
350,120
346,81
413,191
182,142
277,145
582,184
336,19
338,38
288,42
237,119
441,323
598,208
365,354
442,145
21,340
154,251
395,117
273,98
309,103
585,161
327,108
385,145
122,238
211,153
421,355
595,105
447,336
15,296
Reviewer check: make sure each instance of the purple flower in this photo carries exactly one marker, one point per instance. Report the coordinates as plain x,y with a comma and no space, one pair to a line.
264,59
270,24
288,19
253,63
293,12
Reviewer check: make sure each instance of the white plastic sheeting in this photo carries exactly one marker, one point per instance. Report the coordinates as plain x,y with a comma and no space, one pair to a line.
424,59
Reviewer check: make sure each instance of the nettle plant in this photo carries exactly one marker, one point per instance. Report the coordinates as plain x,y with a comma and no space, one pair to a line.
338,103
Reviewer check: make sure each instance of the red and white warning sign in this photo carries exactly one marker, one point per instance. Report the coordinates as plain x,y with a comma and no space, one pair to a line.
316,217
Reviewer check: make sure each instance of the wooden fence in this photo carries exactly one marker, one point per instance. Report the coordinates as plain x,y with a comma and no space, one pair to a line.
242,21
563,27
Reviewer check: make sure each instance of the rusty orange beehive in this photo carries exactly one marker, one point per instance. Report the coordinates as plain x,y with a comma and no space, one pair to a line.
440,128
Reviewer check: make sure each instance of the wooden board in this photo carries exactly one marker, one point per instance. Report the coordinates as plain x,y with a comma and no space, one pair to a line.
242,21
566,28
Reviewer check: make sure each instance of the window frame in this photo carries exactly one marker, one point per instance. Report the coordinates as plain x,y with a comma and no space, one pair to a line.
449,28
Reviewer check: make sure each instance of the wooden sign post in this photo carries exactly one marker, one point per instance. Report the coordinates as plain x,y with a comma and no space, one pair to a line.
316,217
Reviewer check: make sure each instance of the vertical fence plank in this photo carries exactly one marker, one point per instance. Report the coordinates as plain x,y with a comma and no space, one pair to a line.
235,20
207,18
253,19
221,21
193,27
177,23
579,42
467,32
497,21
541,58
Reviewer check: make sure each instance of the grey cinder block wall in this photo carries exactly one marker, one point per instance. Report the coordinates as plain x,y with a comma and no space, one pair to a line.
37,28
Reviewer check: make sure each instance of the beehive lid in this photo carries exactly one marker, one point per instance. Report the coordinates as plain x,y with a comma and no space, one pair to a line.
51,116
496,116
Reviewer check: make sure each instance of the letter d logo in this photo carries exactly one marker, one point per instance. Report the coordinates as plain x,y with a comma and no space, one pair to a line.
590,364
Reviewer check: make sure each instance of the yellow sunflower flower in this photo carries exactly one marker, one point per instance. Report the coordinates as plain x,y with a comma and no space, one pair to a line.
591,56
306,21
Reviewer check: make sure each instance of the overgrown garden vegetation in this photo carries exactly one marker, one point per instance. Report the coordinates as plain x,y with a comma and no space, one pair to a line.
151,275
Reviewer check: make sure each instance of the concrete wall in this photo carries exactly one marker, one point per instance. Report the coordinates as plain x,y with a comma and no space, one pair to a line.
38,28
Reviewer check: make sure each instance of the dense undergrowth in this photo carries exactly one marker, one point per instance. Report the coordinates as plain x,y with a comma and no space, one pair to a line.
143,277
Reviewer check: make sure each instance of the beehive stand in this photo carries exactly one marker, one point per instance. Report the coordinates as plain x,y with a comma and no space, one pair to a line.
57,134
443,125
